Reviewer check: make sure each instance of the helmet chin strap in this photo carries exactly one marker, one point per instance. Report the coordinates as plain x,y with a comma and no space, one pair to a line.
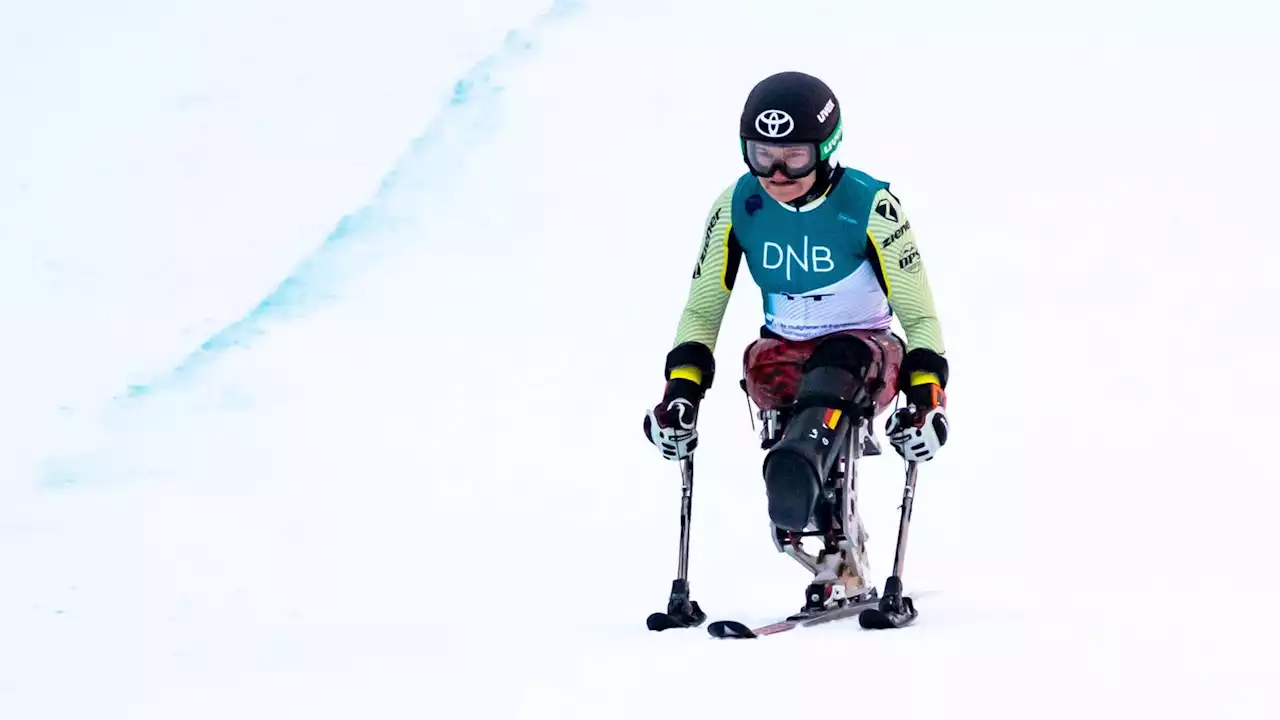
823,175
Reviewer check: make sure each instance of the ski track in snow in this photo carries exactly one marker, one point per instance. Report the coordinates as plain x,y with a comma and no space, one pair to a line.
473,112
410,481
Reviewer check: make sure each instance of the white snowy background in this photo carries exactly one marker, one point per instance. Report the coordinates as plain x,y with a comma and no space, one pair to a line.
327,328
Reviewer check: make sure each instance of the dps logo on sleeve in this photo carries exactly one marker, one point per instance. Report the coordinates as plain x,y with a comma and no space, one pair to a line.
909,260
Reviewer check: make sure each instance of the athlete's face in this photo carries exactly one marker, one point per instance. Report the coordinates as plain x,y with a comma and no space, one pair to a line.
784,189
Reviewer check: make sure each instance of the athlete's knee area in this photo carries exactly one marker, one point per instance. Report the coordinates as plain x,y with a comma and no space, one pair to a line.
834,375
846,352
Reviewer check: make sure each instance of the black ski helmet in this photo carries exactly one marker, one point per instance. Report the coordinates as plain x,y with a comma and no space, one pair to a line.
789,109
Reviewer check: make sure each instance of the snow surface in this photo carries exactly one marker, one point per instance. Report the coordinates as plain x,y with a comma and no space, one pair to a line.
316,403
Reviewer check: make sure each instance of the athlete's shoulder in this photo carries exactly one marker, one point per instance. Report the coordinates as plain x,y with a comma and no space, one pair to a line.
863,179
737,200
871,195
719,217
744,188
854,195
733,191
721,210
859,186
886,216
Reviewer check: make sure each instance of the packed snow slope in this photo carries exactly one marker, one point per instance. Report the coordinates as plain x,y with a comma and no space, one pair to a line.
329,329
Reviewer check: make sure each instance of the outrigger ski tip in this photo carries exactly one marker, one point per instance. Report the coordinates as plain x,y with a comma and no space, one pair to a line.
660,621
880,619
894,610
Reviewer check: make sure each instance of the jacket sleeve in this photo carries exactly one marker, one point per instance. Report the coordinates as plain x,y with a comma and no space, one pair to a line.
719,257
906,279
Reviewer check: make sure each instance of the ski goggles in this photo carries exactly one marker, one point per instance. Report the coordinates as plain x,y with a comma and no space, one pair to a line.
794,160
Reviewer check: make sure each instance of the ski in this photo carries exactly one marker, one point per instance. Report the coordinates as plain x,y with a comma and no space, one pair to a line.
872,614
732,629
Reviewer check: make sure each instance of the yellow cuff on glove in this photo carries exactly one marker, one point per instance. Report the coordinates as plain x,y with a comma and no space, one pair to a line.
924,378
687,372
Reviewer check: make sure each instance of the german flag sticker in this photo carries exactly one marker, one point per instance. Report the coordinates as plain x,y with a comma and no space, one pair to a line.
831,418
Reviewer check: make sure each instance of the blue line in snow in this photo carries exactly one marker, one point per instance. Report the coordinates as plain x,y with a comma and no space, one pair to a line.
470,108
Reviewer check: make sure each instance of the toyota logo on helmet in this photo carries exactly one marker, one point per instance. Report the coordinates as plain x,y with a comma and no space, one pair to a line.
774,123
